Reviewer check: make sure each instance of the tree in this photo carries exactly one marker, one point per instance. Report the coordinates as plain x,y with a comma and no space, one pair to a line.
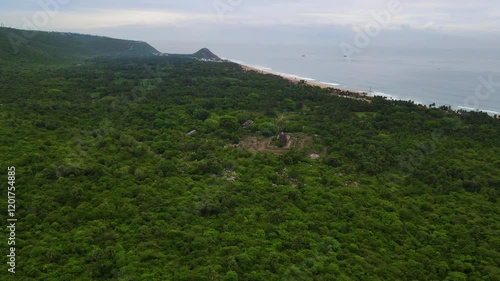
229,123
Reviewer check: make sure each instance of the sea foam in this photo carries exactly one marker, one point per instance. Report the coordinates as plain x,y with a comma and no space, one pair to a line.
331,84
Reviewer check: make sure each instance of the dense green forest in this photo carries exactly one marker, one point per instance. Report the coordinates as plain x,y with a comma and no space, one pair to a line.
141,169
34,48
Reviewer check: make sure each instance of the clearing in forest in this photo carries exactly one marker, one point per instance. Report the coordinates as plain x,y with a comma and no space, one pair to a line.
267,144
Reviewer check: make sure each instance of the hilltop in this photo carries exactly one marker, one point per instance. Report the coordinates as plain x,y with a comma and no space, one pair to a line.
203,54
40,47
206,54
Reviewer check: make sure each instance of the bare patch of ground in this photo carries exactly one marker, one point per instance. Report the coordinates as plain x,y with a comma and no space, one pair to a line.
298,141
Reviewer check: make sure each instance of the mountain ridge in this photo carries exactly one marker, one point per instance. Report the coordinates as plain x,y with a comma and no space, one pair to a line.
42,46
22,47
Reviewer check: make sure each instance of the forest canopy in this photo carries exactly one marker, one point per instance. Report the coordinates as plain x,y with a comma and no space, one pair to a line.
161,168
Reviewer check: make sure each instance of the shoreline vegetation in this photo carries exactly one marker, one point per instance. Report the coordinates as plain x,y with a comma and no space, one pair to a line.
336,91
351,94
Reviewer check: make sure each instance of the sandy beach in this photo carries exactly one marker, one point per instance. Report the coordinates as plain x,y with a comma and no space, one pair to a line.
295,80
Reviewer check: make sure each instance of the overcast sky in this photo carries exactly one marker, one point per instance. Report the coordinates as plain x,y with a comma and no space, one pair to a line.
437,23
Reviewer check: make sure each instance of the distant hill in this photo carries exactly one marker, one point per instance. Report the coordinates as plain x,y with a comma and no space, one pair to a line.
21,46
206,54
203,54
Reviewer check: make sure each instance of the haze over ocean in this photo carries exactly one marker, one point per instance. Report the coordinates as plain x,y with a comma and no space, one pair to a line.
445,77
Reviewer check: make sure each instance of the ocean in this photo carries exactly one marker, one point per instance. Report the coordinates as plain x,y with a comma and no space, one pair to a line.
461,78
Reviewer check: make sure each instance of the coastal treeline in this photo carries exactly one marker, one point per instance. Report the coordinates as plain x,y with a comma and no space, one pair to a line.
161,169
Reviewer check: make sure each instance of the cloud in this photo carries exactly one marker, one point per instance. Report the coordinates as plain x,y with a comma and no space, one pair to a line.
108,18
456,16
198,19
96,19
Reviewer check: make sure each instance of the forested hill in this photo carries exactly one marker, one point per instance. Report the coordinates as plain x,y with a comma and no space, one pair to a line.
203,54
206,54
38,47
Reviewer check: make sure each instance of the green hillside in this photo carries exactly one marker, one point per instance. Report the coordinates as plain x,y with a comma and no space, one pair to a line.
27,47
206,54
203,54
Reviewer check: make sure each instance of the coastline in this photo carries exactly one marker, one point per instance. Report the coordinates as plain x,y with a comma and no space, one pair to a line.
337,91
